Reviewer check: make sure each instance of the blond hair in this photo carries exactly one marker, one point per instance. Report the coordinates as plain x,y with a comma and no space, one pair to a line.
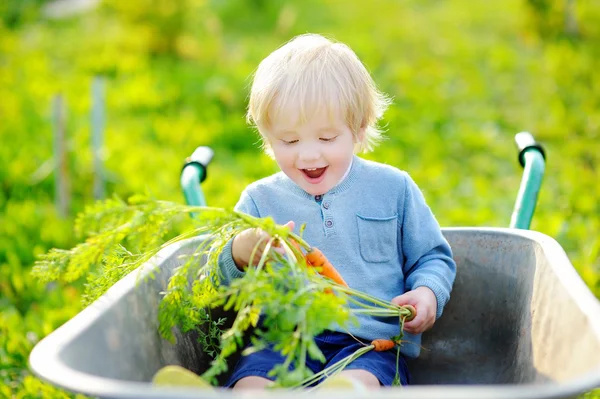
310,73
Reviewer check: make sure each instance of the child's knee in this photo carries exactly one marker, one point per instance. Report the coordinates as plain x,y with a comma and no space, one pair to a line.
252,382
364,376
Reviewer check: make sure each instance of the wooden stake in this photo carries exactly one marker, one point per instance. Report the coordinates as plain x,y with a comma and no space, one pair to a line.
98,136
61,168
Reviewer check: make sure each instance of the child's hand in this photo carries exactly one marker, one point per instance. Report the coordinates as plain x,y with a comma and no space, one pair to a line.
244,243
423,299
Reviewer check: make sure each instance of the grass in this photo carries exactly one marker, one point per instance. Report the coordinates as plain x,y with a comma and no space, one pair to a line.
465,77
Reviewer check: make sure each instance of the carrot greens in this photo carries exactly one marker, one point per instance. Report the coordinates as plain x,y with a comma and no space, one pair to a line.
281,303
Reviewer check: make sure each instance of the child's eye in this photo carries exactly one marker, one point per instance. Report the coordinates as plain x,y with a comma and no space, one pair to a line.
328,139
288,142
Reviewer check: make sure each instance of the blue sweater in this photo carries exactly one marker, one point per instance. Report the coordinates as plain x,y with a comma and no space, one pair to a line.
374,226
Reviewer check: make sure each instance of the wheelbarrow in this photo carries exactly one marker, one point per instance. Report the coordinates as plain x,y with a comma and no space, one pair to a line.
520,323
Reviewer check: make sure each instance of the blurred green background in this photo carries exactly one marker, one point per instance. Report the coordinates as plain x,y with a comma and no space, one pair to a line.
465,77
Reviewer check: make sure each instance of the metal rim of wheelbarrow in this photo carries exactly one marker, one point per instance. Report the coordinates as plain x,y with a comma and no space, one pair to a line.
45,363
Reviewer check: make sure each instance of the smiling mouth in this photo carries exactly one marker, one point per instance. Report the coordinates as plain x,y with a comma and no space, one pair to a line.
314,173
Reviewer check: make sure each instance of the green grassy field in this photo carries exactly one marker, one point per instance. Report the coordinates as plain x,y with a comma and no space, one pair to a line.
465,77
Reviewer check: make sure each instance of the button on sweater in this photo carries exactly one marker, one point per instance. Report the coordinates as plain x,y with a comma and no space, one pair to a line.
374,227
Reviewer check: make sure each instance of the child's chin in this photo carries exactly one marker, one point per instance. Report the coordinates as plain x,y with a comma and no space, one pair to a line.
313,189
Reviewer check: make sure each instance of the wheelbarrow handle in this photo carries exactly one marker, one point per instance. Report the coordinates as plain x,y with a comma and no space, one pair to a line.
525,142
532,158
193,173
200,158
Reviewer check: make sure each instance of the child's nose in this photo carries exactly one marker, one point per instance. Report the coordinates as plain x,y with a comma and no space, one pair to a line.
308,153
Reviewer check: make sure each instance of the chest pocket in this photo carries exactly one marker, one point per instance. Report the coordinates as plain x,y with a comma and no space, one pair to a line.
378,237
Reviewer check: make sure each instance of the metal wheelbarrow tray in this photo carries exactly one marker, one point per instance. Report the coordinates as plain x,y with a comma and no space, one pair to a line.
520,324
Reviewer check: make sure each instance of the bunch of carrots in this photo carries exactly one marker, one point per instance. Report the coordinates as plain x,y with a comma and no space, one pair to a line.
316,259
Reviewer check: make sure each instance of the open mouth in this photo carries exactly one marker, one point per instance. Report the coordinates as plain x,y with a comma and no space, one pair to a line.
314,173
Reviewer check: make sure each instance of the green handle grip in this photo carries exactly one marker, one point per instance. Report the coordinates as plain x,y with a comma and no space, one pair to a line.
532,157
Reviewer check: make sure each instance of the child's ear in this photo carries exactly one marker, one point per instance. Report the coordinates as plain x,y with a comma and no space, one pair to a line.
359,140
360,135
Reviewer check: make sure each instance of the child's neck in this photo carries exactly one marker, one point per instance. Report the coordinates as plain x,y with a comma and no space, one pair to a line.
345,174
347,171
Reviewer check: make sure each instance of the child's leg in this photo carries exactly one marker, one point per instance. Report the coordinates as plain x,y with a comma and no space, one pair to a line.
252,382
379,368
252,371
372,368
367,378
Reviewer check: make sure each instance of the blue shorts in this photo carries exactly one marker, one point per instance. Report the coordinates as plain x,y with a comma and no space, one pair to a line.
335,346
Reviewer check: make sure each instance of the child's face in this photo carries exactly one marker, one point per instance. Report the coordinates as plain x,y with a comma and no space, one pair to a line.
315,154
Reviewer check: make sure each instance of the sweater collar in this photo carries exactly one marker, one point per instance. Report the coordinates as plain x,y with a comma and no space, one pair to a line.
346,182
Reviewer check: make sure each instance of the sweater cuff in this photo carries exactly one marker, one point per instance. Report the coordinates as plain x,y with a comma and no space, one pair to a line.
441,294
227,265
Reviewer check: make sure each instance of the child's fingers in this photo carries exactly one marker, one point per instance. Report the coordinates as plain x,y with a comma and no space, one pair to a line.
415,329
258,253
262,239
290,225
277,245
415,323
404,299
421,323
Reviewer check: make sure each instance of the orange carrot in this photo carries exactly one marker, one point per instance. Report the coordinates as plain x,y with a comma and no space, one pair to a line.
315,258
382,345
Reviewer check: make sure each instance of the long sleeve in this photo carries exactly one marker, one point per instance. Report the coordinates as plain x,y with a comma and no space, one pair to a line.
227,267
427,255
